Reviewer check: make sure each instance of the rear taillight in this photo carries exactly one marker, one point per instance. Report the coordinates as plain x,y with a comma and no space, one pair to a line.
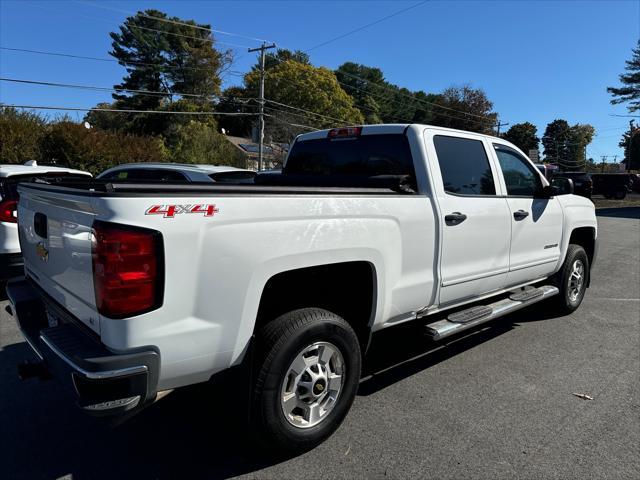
344,132
128,274
9,211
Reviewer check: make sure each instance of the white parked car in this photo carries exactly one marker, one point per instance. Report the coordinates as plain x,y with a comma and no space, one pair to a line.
176,172
364,229
10,176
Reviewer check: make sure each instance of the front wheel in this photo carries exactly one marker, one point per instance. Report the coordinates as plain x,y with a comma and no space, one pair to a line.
572,279
307,374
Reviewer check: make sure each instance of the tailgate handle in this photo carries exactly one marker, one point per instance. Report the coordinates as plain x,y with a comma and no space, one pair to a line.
40,224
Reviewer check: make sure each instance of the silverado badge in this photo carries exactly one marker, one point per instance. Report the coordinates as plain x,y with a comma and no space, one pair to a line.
42,252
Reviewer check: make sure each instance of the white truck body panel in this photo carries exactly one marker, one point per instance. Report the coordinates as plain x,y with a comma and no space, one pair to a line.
216,267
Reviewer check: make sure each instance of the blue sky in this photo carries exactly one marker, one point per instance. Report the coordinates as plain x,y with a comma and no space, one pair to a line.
537,60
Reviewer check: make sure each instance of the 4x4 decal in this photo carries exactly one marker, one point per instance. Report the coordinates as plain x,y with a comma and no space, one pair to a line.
170,211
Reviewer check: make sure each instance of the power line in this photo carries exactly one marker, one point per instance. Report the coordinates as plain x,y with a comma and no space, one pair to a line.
306,111
339,37
115,89
100,89
99,59
146,28
292,124
300,115
168,20
120,110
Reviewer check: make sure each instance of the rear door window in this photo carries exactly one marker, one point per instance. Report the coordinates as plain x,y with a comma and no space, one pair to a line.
365,155
464,166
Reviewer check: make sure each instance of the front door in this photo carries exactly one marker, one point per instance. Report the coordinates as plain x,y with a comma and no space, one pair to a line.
476,226
536,228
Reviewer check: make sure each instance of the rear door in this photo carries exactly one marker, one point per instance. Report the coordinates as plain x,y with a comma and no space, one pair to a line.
476,227
536,223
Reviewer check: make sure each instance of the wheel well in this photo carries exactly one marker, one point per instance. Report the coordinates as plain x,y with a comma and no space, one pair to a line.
585,237
347,289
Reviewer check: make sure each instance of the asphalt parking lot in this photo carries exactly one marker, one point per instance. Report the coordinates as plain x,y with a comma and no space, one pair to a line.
496,403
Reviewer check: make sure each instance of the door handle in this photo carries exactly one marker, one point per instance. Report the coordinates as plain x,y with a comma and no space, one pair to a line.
455,218
520,214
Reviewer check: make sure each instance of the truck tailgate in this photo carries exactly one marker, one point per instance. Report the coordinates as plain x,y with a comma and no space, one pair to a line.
55,231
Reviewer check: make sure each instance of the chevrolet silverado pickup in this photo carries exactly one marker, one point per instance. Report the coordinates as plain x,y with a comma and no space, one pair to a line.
131,290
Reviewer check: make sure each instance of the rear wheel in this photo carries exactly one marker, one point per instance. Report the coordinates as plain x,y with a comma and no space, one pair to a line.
620,194
572,279
306,378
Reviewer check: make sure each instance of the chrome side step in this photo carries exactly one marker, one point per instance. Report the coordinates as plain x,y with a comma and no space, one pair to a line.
465,319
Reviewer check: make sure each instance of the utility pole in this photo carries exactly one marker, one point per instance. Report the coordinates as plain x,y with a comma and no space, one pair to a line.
498,125
629,149
264,47
604,159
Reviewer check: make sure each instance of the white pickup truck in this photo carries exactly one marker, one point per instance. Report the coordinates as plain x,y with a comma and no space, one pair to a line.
139,289
10,176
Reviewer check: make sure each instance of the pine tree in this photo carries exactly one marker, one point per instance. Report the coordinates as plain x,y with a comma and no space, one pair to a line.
630,91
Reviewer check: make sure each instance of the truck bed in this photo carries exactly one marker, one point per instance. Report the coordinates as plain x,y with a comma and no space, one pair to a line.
291,185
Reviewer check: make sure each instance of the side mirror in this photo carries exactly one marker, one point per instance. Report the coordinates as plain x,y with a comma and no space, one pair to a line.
545,192
561,186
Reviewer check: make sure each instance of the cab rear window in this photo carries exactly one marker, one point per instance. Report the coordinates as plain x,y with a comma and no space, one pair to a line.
366,155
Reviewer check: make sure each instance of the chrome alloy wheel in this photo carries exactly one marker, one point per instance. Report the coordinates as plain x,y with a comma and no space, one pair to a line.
312,384
576,280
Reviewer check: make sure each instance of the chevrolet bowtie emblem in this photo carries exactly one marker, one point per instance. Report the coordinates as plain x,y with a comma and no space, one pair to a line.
42,252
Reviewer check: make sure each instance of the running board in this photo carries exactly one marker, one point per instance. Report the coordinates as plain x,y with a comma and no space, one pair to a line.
465,319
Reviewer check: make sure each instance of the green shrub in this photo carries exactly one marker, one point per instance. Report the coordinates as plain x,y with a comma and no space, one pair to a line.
94,150
20,135
198,142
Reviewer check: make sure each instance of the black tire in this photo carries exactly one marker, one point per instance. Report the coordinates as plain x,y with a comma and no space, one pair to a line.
564,301
279,343
620,195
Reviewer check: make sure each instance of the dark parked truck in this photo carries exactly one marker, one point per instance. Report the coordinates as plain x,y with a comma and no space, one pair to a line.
135,289
582,182
612,185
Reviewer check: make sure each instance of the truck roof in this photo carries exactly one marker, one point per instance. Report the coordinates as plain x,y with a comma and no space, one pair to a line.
32,168
384,128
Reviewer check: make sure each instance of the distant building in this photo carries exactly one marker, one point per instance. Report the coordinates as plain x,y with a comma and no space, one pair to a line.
274,153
